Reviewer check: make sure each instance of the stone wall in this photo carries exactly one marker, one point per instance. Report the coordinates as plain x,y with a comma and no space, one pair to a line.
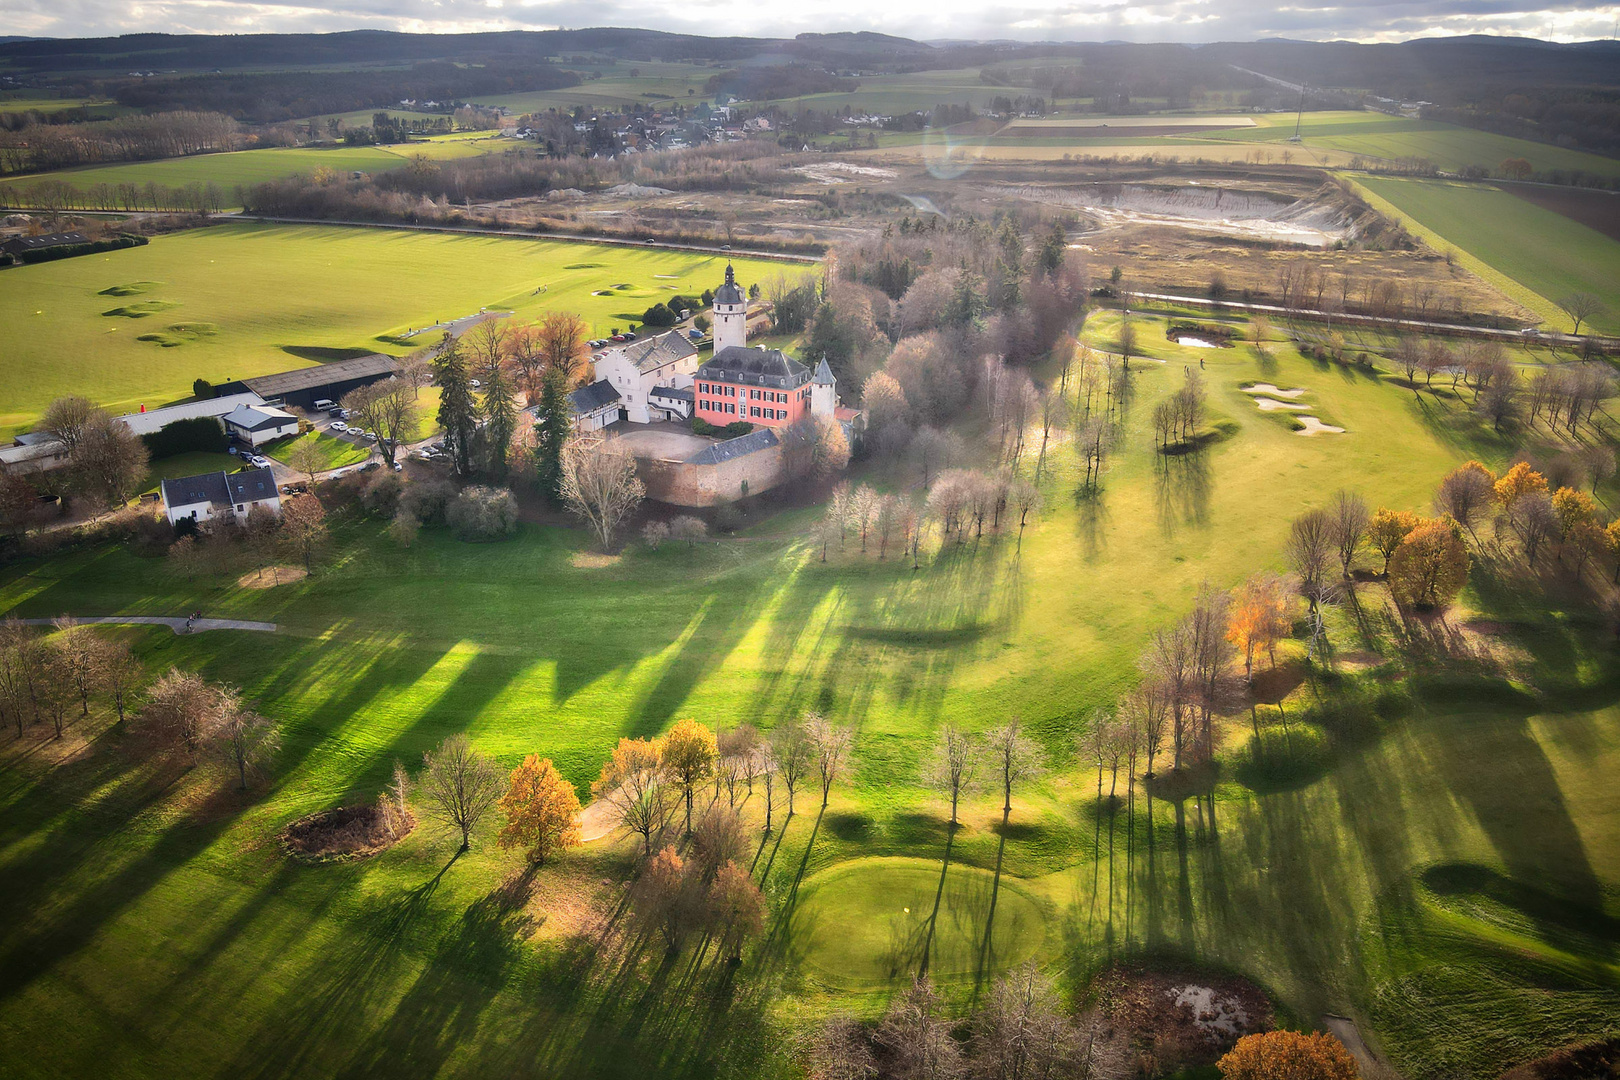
681,483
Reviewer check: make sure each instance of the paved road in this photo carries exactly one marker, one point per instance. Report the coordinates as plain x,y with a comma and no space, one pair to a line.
177,623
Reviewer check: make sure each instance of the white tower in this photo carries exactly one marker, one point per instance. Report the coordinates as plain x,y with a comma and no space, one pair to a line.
730,314
823,391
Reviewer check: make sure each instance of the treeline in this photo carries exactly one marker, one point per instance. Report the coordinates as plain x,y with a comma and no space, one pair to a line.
55,196
272,97
43,147
768,82
53,679
427,190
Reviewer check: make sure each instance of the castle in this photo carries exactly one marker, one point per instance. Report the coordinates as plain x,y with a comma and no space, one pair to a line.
659,378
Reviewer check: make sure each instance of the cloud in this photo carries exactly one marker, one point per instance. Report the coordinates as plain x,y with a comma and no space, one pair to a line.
1154,20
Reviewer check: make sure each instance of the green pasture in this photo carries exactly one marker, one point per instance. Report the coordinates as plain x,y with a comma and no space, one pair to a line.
228,170
266,293
1542,252
168,936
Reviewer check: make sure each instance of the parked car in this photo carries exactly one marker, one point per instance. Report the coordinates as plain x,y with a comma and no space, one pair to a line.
629,335
399,467
230,450
295,489
617,337
369,436
476,385
339,426
260,461
341,414
371,466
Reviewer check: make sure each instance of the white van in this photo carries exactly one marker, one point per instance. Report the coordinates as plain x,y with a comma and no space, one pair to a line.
324,405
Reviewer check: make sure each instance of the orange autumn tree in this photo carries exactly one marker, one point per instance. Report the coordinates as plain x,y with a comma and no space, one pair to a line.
1516,483
1259,617
1288,1055
1388,529
1430,567
542,810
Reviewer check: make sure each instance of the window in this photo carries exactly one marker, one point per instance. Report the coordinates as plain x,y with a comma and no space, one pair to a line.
754,412
240,509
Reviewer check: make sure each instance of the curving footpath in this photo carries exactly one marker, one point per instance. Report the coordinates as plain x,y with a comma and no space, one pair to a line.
173,622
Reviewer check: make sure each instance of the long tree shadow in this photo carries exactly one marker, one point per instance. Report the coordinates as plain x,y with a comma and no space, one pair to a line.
984,962
939,895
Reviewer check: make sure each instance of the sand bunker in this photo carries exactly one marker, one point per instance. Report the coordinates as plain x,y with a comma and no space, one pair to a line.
1266,404
1313,426
1267,388
591,560
271,576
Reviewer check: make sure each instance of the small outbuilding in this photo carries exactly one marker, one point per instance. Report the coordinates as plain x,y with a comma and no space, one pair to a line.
259,424
596,406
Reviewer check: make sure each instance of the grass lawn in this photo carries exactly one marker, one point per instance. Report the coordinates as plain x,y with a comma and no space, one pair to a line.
188,464
1540,250
234,298
164,931
335,453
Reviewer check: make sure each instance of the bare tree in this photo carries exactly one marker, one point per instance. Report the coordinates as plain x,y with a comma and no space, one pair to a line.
840,1050
831,744
917,1038
1013,758
119,671
461,785
599,485
180,707
956,765
1580,307
1020,1033
246,740
794,757
75,647
389,410
416,372
1311,551
1348,526
308,459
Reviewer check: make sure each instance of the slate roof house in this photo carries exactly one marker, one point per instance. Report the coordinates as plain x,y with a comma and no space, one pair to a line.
259,424
596,406
230,496
638,368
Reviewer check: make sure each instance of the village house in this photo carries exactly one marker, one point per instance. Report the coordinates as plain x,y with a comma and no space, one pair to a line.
227,496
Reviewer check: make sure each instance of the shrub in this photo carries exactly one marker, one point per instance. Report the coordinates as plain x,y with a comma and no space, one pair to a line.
658,315
427,500
382,494
654,533
483,513
202,433
733,430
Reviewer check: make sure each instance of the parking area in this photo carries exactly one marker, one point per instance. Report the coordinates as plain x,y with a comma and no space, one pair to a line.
673,442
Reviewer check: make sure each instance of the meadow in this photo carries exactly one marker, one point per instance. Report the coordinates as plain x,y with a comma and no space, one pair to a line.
1454,832
1547,255
1451,148
236,300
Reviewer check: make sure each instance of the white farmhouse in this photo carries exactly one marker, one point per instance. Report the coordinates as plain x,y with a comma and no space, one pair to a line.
639,368
227,496
259,424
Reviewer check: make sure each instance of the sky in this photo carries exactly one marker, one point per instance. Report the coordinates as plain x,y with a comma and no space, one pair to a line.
1055,20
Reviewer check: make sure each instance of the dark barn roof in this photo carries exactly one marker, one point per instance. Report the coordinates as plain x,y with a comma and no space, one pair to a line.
283,383
758,367
753,442
206,487
598,395
19,244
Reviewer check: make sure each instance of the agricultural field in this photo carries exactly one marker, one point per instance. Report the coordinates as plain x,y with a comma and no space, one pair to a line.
1451,148
241,299
1411,837
1546,254
244,168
